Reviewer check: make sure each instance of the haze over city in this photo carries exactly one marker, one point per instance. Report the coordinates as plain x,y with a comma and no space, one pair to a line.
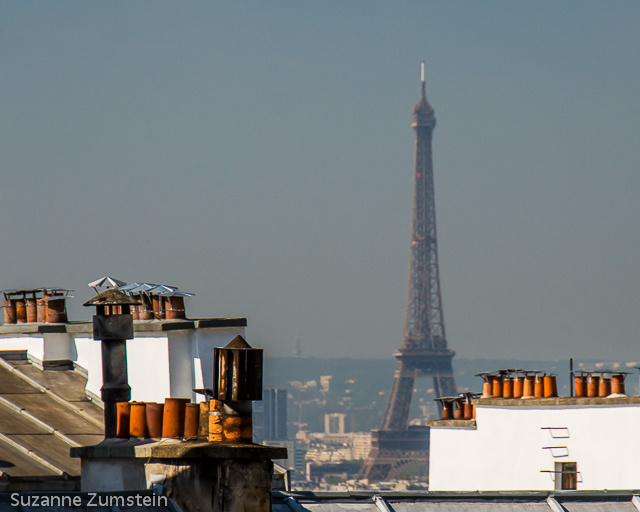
260,156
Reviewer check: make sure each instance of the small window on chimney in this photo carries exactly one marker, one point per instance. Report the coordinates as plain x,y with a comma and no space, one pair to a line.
566,476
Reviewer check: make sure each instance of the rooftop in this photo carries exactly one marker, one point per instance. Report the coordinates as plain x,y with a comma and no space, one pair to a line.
419,501
43,413
138,326
557,401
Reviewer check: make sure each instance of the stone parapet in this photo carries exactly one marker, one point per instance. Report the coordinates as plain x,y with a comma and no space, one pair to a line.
138,326
177,449
451,423
557,401
220,477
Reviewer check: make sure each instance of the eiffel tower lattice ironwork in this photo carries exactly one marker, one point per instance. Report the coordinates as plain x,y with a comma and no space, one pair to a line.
424,351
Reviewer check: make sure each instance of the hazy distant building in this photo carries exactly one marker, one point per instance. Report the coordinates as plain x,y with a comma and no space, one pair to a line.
270,416
295,461
333,447
334,423
325,382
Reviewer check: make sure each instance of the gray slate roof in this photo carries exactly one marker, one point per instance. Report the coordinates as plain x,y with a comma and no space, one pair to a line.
532,501
43,413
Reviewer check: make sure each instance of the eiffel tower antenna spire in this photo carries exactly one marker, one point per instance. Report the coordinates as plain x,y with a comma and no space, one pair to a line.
424,95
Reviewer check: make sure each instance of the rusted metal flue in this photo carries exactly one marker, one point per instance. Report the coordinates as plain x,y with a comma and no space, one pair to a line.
593,386
174,303
507,387
9,311
604,389
138,420
487,385
550,386
518,386
41,310
173,417
617,384
237,371
447,410
497,386
32,309
538,386
191,420
174,307
21,310
154,413
158,310
123,420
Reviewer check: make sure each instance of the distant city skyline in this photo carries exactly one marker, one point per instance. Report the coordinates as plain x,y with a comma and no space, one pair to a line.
260,156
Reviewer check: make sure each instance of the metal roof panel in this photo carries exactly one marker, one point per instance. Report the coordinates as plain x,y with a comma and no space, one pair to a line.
16,463
458,506
12,422
12,383
50,448
340,507
599,506
70,385
54,414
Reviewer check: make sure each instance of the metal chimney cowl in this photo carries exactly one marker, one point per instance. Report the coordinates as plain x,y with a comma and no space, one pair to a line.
237,371
112,319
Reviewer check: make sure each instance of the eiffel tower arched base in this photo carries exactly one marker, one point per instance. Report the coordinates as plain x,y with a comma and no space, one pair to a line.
394,451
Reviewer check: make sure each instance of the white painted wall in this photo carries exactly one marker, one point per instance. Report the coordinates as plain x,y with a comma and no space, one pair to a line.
89,356
506,450
159,365
206,341
42,347
148,367
181,365
34,345
59,346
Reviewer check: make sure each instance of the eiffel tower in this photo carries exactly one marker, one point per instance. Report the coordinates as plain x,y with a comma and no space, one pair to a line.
424,351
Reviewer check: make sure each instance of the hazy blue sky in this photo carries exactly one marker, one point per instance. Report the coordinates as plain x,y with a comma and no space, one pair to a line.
259,154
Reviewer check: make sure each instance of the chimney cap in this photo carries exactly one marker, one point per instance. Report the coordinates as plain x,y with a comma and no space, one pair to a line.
138,287
57,292
603,371
31,290
161,288
448,399
106,282
112,297
238,342
176,293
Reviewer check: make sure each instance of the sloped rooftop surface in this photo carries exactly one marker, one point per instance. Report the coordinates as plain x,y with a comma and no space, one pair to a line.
43,413
531,501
